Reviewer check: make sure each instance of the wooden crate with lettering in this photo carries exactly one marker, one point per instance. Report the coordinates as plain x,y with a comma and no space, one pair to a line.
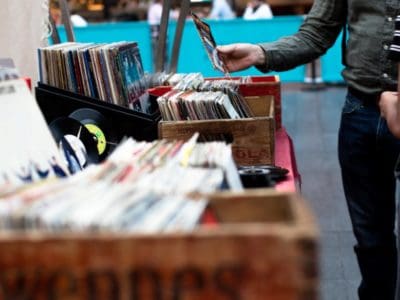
253,139
264,246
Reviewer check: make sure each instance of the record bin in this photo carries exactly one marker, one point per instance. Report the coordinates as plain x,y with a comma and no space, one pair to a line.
253,139
263,85
264,246
121,121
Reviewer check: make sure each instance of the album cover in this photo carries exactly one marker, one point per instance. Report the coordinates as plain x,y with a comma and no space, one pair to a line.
130,76
28,151
209,43
90,70
121,98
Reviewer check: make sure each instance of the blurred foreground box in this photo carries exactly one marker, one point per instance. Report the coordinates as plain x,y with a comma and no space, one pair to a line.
263,246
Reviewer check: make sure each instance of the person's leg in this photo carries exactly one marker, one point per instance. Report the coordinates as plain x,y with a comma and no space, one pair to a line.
397,229
367,155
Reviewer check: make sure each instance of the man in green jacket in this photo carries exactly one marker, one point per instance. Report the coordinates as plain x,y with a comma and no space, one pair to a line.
367,150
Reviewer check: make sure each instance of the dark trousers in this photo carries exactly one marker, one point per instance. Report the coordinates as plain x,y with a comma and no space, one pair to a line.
367,155
398,225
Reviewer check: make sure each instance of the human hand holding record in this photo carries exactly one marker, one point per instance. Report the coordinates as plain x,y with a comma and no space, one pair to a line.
241,56
209,44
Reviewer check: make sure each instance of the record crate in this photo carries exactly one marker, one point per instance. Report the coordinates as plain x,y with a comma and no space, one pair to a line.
120,121
264,246
261,86
253,139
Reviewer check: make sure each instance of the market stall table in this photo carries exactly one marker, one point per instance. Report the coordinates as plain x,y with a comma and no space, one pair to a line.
285,158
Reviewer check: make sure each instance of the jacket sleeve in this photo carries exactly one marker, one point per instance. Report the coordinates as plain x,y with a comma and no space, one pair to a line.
315,36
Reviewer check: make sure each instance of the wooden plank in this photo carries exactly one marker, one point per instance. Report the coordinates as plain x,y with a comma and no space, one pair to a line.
261,106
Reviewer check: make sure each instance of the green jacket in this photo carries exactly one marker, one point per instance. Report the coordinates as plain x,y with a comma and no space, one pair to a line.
370,26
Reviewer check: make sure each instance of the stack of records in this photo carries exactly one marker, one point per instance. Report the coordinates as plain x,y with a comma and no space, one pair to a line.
193,98
192,80
109,72
142,187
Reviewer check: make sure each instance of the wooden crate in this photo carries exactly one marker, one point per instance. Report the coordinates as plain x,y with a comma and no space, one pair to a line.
263,86
264,247
253,139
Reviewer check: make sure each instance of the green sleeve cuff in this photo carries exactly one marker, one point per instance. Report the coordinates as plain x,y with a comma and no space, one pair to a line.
264,67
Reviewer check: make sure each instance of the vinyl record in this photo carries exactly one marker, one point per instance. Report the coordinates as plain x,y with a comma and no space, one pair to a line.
99,126
276,173
76,143
254,177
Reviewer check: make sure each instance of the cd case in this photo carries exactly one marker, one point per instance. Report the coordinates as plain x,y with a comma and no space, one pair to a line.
122,122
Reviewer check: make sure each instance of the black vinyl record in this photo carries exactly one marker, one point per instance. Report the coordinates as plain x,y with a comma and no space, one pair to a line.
275,172
76,143
254,177
100,127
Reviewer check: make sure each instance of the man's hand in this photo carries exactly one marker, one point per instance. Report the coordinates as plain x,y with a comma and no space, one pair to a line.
390,110
241,56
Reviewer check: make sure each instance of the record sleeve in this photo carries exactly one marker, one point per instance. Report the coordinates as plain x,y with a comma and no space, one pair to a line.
209,44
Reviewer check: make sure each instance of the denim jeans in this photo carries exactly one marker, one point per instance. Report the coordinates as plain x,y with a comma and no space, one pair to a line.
397,173
367,156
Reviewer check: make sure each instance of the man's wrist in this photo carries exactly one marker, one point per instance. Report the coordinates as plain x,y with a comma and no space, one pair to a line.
262,62
260,56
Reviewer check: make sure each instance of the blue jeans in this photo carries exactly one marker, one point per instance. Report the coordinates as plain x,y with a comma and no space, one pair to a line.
397,173
367,156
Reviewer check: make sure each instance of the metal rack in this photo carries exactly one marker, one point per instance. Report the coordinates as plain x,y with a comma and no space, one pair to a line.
160,57
66,19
